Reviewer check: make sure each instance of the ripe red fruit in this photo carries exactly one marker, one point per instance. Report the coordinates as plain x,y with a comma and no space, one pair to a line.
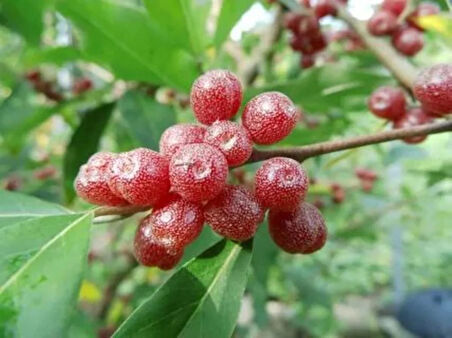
408,40
388,103
216,95
292,20
307,61
414,117
433,88
338,193
423,9
269,117
179,135
307,25
281,183
382,23
91,183
300,231
394,6
176,222
140,176
366,174
234,214
151,251
232,139
82,85
198,172
324,7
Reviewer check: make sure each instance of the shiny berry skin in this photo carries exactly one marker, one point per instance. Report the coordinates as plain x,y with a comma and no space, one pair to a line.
281,183
176,221
394,6
414,117
300,231
234,214
269,117
91,183
216,95
198,172
408,40
382,23
140,176
423,9
232,139
178,135
433,88
151,251
388,103
307,61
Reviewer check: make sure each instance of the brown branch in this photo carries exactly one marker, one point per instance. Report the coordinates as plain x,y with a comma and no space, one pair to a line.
399,65
122,211
302,153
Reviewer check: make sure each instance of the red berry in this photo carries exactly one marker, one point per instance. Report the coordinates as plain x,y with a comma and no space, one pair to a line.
366,174
414,117
423,9
307,61
198,172
308,25
324,7
234,214
388,103
292,20
176,221
338,193
216,95
140,176
394,6
281,183
151,251
91,183
433,88
232,139
179,135
33,76
82,85
269,117
382,23
408,40
300,231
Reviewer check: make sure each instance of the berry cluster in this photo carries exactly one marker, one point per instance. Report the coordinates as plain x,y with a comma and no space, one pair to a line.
406,37
186,182
307,38
433,89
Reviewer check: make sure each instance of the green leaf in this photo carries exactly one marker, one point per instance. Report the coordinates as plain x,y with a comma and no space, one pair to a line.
145,118
202,299
25,17
19,114
83,144
182,22
56,55
42,257
231,11
124,40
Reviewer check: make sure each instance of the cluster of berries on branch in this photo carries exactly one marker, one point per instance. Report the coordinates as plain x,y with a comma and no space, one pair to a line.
186,183
433,89
405,32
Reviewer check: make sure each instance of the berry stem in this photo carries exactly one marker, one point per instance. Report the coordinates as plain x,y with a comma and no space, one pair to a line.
122,211
399,66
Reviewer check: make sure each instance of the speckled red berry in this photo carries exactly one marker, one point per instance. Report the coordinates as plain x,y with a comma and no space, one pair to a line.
281,183
198,172
178,135
388,103
177,222
140,176
300,231
414,117
151,251
433,88
216,95
408,40
382,23
269,117
423,9
394,6
234,214
91,183
232,139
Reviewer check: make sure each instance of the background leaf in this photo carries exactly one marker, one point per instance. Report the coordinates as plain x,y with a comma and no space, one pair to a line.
201,299
41,263
84,142
145,118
